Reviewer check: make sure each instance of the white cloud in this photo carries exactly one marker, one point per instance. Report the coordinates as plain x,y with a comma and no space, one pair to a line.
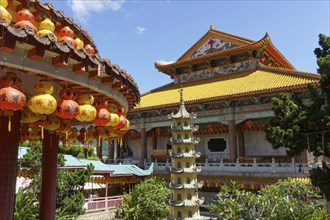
83,9
140,30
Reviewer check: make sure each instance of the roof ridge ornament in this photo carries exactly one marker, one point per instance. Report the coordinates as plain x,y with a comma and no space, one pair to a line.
181,95
211,27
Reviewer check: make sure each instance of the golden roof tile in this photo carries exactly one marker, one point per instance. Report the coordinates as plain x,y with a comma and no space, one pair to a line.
260,81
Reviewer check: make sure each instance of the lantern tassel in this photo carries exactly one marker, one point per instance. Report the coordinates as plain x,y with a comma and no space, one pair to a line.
42,132
85,136
9,124
99,142
89,147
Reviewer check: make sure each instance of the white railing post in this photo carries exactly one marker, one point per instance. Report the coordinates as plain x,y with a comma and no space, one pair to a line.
273,165
237,164
156,164
206,162
221,164
293,166
255,164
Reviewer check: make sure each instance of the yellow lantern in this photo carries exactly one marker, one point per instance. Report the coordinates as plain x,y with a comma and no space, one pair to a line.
29,117
80,43
87,112
4,3
114,120
44,102
90,132
5,14
53,123
47,27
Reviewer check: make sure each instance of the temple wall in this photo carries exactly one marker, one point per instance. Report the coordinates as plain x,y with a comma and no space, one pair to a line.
256,144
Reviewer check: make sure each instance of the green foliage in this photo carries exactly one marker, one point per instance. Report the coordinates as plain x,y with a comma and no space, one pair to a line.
25,205
147,201
320,177
284,200
78,151
69,186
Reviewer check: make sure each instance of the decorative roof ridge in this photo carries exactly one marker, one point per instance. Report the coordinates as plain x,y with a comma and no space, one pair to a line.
212,30
281,55
289,71
218,53
157,89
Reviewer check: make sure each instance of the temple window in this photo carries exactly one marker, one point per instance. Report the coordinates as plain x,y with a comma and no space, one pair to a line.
188,180
179,124
217,145
186,136
179,136
179,150
179,214
179,197
187,165
189,196
185,123
187,150
178,165
189,214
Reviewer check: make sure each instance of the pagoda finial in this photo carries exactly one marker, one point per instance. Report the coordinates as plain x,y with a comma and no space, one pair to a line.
181,95
211,27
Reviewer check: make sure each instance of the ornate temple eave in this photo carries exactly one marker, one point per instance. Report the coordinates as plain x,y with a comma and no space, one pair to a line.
236,50
186,203
185,155
74,56
183,128
184,141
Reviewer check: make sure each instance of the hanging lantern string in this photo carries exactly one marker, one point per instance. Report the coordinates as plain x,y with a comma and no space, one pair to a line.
42,132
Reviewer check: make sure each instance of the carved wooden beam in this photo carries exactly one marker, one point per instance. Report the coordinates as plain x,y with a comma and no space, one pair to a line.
36,53
80,68
93,74
108,80
60,60
8,44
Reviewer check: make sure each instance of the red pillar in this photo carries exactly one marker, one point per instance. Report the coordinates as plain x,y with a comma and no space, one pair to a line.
9,142
49,173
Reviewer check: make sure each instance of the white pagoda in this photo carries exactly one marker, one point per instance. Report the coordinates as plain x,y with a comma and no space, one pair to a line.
184,187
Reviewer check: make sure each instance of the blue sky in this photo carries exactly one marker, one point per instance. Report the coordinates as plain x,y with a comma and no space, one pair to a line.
135,34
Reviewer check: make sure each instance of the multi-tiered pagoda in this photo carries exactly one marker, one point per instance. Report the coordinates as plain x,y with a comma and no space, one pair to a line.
184,199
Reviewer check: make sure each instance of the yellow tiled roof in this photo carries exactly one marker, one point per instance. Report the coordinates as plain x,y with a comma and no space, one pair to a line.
259,81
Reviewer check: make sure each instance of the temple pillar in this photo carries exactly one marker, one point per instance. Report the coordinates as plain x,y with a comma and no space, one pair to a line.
143,151
232,138
154,142
9,142
110,150
122,150
48,176
241,143
99,149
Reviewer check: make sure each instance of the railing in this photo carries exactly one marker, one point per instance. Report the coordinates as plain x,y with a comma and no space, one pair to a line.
102,203
255,167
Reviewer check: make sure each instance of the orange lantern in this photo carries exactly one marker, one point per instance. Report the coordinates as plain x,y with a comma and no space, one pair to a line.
122,123
73,134
47,27
87,112
121,111
11,99
44,102
158,131
67,107
102,114
262,59
67,37
89,49
90,132
24,20
114,120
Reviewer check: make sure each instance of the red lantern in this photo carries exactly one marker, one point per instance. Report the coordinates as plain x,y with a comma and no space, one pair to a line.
121,111
67,108
24,14
89,49
24,20
158,131
11,99
66,32
102,117
262,59
69,41
249,123
122,123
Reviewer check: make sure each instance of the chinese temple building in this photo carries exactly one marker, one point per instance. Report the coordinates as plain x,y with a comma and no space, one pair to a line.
184,201
53,86
229,82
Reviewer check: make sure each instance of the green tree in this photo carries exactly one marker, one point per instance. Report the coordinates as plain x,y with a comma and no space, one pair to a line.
147,201
300,126
284,200
69,186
